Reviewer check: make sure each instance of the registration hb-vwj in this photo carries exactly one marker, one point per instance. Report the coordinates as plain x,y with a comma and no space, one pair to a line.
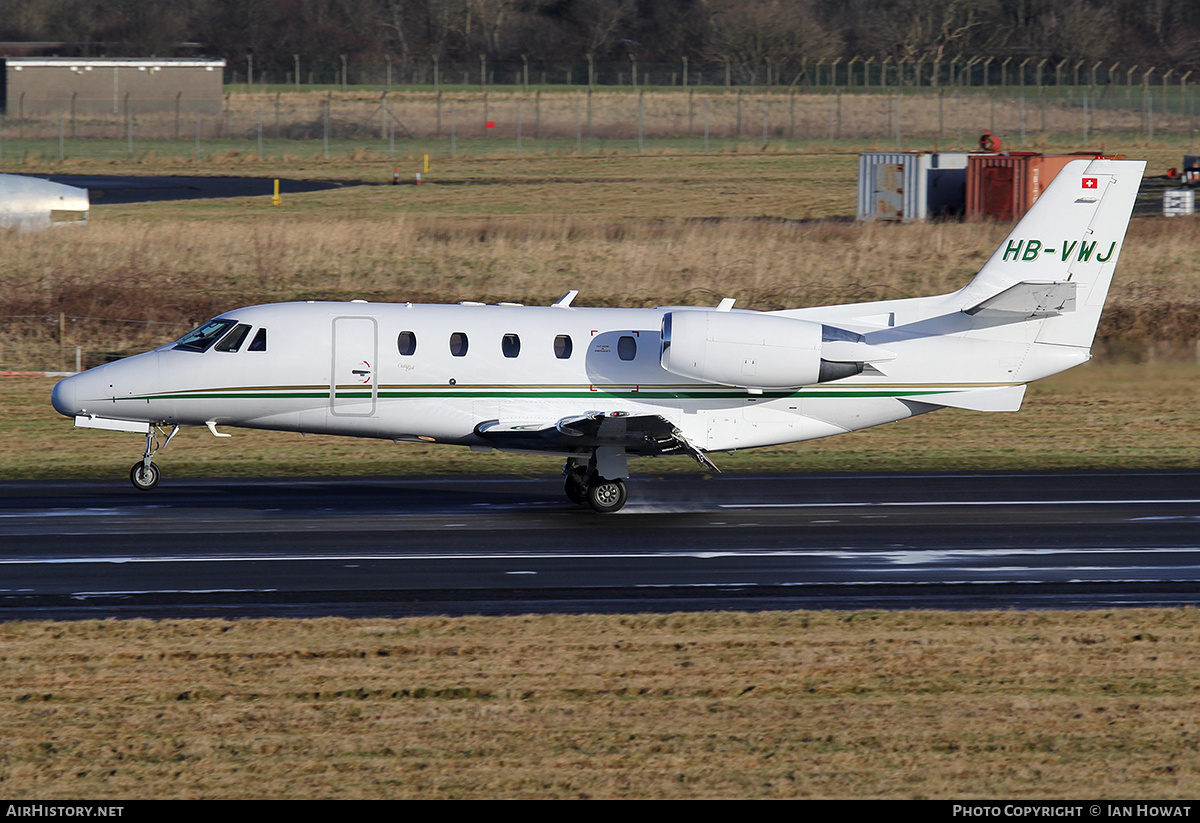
598,386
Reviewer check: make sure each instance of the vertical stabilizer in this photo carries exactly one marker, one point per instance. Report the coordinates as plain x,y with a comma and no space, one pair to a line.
1072,234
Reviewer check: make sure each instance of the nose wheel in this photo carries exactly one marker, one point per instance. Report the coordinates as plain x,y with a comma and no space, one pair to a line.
144,476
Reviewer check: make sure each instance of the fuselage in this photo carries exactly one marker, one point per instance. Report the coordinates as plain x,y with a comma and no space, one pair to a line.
435,372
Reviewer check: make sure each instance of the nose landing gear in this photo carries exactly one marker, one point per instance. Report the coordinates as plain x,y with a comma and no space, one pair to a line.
144,475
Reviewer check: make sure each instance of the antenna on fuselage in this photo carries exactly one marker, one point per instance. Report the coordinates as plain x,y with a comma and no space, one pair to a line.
564,302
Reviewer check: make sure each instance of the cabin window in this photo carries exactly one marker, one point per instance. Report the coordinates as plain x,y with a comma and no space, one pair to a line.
201,339
510,344
259,343
233,341
626,348
407,343
458,344
562,347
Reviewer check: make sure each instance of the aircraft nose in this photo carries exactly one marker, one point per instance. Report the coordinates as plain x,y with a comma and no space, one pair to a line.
64,397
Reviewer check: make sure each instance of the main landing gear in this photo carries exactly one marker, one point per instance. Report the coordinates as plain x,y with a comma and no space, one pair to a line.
586,487
144,475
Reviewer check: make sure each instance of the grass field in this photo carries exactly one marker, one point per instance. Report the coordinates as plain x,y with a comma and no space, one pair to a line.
901,705
981,705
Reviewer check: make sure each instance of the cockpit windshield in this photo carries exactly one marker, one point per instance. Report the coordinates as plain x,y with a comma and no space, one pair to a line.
202,338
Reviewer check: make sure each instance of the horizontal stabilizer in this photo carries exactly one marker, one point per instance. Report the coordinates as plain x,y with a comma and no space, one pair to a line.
987,399
1028,300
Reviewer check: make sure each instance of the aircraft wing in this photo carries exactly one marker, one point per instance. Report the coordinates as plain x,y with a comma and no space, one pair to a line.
638,434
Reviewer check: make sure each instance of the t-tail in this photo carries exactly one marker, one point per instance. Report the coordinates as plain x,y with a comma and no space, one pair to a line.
1056,266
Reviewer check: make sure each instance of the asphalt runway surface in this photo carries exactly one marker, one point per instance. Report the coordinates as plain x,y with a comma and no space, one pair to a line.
105,189
497,545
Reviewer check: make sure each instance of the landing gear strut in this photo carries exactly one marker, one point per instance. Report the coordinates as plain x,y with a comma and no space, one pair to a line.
144,475
586,487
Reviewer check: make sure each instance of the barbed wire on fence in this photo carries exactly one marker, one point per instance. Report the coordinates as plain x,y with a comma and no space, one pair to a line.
827,73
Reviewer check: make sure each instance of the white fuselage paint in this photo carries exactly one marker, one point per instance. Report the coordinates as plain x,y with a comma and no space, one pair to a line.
335,368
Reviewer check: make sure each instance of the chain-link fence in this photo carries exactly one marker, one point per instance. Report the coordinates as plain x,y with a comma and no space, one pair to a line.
335,124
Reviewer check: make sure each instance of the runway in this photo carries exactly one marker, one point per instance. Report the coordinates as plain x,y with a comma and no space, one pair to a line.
510,545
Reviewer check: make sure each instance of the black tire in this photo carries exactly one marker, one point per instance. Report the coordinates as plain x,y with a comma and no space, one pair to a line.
576,489
606,496
144,477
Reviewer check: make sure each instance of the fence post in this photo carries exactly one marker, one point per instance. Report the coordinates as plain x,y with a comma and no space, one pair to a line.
792,114
706,125
641,120
1085,117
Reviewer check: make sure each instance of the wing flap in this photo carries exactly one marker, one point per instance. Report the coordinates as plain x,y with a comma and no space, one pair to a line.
646,435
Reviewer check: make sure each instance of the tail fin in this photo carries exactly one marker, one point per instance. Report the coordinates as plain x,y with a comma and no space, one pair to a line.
1058,261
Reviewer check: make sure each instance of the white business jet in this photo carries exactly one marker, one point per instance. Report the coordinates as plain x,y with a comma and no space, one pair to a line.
598,386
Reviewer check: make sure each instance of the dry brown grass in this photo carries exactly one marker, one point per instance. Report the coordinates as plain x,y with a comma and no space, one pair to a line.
1014,705
180,272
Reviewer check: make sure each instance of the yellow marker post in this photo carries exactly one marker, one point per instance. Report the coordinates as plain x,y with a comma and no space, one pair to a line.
427,164
275,199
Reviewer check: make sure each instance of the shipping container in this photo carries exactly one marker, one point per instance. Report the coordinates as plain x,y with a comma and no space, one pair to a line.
1003,186
908,186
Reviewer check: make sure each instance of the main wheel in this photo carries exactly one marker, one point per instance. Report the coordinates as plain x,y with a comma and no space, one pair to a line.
606,496
143,476
576,488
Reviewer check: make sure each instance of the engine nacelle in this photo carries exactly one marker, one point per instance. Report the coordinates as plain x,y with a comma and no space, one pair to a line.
752,350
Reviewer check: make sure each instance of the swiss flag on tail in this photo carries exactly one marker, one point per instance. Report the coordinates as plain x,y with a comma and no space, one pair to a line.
1089,182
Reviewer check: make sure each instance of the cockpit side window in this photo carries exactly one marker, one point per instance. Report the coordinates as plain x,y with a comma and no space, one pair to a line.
201,339
233,341
259,343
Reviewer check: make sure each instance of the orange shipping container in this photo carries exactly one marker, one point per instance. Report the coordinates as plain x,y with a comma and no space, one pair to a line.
1004,186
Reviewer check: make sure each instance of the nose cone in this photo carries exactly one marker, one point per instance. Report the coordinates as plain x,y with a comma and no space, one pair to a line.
64,396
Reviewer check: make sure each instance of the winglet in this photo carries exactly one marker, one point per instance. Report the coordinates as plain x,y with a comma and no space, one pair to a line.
564,302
